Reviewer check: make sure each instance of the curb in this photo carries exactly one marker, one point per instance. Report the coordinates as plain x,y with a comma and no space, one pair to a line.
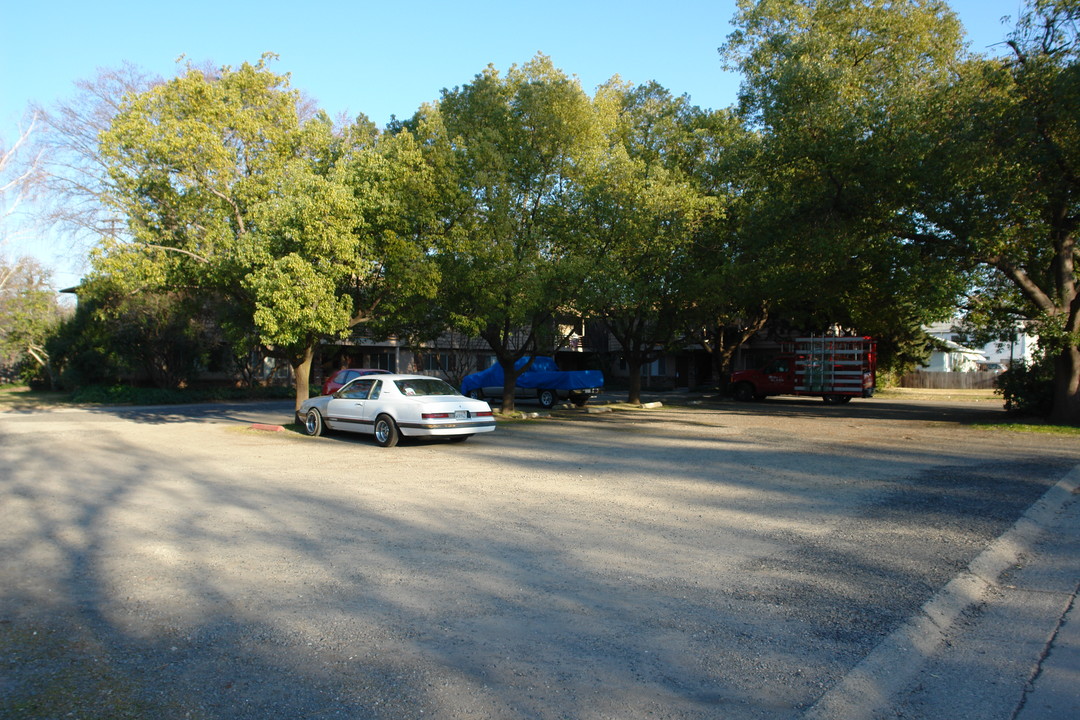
869,686
268,428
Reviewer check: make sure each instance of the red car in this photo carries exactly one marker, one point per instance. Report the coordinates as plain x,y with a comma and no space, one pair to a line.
334,383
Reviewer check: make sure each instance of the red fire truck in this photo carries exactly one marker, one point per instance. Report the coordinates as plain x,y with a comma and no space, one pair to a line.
835,369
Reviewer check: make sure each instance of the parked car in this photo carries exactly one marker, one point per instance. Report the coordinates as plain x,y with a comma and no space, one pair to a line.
994,367
389,406
342,377
543,381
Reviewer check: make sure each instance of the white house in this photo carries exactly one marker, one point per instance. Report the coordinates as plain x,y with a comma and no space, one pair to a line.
957,358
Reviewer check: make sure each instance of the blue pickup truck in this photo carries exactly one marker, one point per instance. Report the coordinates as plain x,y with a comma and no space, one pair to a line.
543,381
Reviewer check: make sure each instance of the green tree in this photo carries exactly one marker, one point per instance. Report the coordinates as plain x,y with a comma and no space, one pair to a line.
83,350
738,266
642,212
232,192
115,336
189,162
1003,186
508,259
838,90
29,313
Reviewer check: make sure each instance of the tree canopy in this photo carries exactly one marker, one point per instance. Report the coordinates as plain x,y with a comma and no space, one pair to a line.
517,144
28,314
645,205
1002,187
228,190
838,91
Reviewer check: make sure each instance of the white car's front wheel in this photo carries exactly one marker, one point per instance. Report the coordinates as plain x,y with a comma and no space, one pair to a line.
313,423
386,431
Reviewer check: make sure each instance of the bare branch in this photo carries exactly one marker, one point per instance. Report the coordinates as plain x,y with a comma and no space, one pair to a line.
19,184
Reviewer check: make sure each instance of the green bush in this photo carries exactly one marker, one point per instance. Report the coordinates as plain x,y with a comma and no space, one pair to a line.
130,395
1028,388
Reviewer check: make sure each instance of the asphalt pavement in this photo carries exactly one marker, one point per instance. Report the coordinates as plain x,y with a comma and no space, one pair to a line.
1002,640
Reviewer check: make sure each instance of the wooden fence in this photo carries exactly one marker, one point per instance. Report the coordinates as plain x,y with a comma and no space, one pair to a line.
950,380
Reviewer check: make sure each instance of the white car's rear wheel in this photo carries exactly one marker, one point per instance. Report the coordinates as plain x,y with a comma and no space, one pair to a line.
386,431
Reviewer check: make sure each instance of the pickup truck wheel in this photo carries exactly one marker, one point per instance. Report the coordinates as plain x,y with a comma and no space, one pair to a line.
476,394
744,392
547,398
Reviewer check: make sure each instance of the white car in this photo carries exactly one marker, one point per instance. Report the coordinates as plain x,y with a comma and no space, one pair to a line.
390,406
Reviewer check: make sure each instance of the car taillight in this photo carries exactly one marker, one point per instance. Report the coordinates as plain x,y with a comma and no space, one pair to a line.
435,416
487,413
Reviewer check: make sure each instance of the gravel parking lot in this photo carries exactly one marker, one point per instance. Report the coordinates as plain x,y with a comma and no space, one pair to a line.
710,560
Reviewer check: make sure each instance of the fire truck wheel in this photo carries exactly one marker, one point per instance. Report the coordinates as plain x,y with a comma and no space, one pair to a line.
744,392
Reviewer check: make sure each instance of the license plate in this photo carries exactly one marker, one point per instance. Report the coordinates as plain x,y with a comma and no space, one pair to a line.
461,414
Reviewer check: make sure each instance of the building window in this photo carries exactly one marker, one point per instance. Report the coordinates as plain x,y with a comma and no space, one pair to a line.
438,363
383,361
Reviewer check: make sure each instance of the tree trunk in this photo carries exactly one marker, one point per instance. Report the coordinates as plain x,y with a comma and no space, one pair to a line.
509,386
633,364
1067,387
301,367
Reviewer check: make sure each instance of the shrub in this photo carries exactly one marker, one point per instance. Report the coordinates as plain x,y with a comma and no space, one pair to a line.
131,395
1028,388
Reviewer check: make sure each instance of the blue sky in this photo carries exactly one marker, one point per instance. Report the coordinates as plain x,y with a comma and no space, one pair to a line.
381,58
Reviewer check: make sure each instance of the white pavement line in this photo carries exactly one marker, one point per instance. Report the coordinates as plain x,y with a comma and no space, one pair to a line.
870,685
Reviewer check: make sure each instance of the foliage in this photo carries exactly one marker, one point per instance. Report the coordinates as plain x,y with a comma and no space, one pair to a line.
515,145
836,90
873,175
165,339
83,351
188,162
1003,185
232,192
643,210
132,395
28,314
1028,388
